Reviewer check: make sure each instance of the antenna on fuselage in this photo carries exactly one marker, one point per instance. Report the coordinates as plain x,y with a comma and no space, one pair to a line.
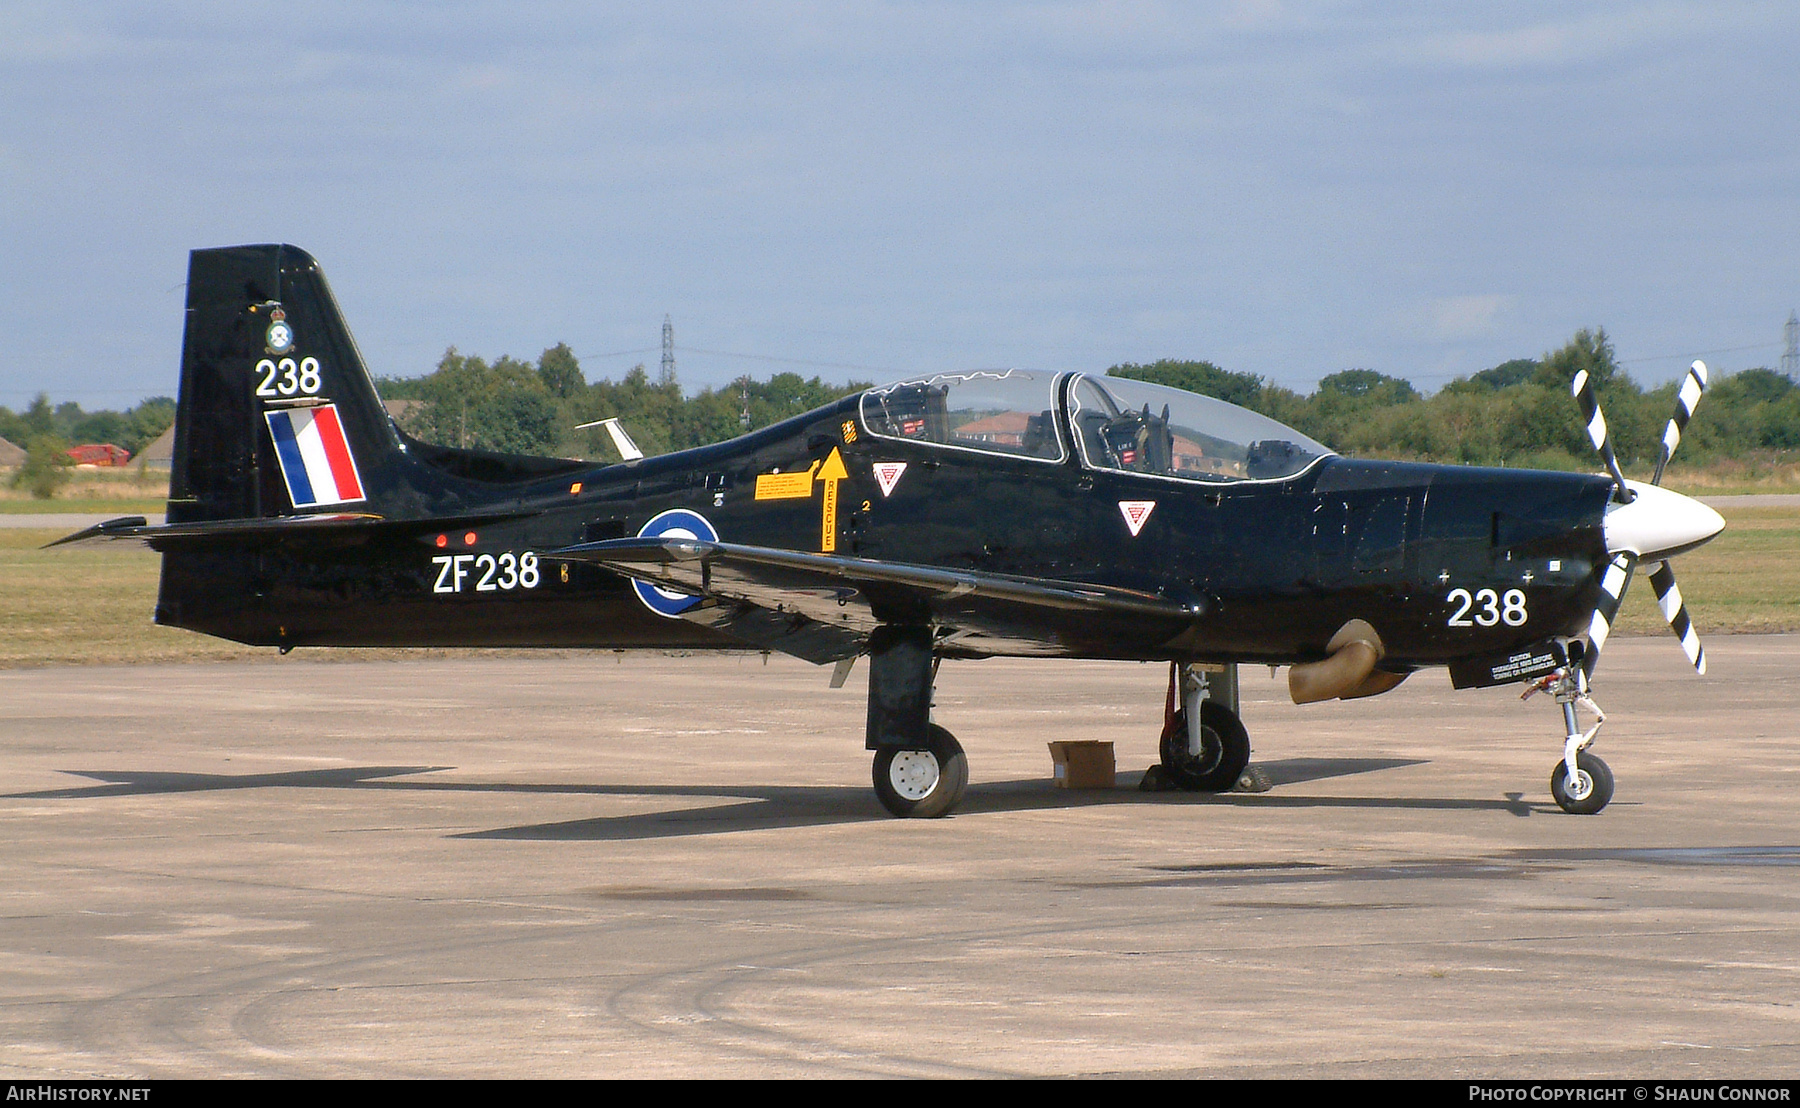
627,449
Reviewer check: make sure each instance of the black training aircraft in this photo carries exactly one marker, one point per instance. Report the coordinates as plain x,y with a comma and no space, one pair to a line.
953,515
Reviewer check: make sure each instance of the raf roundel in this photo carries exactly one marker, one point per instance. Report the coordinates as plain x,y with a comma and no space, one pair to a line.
676,523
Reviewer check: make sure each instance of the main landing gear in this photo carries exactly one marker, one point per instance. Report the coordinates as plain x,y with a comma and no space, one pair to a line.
922,783
919,770
1204,746
1581,783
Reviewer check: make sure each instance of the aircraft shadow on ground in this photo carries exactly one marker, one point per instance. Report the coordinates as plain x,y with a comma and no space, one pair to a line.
773,806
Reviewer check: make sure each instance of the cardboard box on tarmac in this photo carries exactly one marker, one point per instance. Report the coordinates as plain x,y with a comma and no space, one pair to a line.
1087,764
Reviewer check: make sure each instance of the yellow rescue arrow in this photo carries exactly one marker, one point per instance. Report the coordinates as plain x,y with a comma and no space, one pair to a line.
831,473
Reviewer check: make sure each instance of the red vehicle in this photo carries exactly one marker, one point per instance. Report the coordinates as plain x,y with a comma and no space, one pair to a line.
99,454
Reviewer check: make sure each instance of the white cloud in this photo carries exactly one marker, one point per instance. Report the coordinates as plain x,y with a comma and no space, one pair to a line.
1469,317
1586,37
1515,46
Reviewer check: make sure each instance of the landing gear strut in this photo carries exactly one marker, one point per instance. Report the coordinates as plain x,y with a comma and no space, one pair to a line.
1204,746
1581,783
919,770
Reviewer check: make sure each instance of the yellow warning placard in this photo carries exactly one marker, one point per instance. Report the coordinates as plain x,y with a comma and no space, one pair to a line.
785,486
799,485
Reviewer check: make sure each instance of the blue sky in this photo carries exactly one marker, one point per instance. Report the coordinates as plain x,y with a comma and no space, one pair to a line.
865,190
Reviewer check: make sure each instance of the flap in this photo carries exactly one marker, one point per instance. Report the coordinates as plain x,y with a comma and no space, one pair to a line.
850,597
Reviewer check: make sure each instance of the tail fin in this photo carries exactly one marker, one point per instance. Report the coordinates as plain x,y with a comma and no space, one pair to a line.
277,414
278,424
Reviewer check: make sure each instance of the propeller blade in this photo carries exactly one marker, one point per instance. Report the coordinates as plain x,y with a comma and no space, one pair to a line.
1583,388
1674,609
1612,593
1692,388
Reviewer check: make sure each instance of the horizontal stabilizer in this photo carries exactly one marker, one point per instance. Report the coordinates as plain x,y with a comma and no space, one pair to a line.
227,532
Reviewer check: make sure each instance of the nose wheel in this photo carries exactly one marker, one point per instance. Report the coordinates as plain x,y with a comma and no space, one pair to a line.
1589,790
922,784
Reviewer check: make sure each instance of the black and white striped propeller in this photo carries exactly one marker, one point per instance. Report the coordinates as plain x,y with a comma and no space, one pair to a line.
1647,523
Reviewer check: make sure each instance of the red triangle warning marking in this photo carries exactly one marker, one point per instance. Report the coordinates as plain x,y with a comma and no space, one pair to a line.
887,475
1135,513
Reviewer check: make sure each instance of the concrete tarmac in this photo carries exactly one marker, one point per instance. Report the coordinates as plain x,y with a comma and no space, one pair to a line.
582,866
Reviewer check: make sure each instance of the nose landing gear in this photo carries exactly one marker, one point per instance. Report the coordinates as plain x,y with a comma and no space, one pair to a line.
1581,783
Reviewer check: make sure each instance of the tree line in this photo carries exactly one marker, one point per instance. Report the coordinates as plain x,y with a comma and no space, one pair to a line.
525,408
45,432
1518,413
133,429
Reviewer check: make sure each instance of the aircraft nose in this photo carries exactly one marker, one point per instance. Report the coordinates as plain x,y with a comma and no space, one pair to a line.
1659,523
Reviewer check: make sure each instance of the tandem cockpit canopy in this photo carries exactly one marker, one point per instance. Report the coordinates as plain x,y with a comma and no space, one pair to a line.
1116,423
1008,411
1143,428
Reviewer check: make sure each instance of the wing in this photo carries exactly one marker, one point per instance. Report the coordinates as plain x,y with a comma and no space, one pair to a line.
822,607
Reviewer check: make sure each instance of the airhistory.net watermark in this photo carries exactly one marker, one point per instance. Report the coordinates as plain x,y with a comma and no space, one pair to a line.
58,1093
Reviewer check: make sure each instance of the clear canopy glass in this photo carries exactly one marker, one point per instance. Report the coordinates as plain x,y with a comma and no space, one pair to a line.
1118,424
1138,427
1006,411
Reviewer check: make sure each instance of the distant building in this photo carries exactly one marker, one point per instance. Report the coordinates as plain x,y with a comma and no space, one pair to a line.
11,455
1001,429
160,454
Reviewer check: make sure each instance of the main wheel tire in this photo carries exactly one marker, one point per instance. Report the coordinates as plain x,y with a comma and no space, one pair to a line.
1224,750
1593,786
922,784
